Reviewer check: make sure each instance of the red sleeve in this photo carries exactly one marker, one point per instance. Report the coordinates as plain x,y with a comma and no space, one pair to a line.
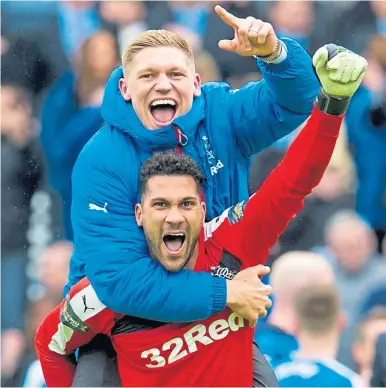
79,318
249,229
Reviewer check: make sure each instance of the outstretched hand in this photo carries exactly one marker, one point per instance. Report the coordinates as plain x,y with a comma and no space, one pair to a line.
251,36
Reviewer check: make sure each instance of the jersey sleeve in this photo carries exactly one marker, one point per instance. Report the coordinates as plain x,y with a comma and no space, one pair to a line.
78,319
249,229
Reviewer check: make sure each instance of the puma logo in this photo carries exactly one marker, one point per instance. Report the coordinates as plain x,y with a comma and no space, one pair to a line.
103,209
85,305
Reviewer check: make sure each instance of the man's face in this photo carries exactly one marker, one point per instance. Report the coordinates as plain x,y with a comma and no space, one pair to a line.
353,245
161,83
172,215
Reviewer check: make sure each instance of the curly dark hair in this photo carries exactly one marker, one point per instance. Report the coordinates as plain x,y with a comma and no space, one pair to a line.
170,163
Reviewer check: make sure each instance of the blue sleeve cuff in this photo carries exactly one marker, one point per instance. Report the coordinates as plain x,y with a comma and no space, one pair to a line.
219,295
292,52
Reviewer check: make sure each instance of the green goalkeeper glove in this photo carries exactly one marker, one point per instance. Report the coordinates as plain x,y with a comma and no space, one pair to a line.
340,71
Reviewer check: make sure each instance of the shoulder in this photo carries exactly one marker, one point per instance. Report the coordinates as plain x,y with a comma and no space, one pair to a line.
214,90
342,374
299,368
109,151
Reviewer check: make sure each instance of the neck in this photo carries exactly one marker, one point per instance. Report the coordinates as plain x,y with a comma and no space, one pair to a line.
279,318
193,259
322,346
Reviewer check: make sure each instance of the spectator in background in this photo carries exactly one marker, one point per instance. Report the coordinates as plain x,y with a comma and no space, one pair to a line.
351,250
127,18
71,113
366,125
53,269
363,348
318,323
378,378
78,21
21,173
291,273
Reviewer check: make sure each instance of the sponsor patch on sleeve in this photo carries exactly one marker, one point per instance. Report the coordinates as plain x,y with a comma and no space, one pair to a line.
236,212
70,319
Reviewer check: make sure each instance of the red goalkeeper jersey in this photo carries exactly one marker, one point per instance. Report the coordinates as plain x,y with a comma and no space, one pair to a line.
216,351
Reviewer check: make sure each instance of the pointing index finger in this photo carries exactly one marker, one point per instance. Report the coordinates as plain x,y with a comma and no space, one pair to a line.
227,17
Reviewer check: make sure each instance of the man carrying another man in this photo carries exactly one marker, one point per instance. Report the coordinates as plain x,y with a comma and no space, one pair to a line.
172,213
155,103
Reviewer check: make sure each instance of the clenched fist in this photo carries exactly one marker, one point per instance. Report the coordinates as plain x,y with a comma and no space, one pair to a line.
340,71
252,36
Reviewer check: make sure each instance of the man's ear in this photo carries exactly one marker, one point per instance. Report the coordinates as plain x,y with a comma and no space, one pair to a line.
203,209
138,214
124,89
197,86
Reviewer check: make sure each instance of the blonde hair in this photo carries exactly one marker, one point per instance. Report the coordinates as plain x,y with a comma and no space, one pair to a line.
155,38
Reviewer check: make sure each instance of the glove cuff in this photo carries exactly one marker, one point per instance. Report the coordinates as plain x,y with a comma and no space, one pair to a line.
332,105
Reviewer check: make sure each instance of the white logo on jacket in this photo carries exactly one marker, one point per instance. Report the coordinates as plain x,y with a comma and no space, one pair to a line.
214,169
103,209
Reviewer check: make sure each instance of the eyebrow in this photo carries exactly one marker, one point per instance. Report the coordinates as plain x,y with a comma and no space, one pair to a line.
159,199
149,69
168,201
189,199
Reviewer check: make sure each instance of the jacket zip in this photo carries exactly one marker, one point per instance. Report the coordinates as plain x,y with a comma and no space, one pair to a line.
181,141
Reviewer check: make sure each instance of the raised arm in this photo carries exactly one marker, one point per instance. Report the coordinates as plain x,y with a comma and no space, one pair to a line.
249,230
263,112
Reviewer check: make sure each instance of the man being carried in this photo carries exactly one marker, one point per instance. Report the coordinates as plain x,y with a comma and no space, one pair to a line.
172,216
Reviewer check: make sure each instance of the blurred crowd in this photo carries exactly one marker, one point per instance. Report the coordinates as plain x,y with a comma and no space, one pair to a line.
55,60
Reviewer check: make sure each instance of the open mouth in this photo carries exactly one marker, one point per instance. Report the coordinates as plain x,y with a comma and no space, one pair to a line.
174,242
163,111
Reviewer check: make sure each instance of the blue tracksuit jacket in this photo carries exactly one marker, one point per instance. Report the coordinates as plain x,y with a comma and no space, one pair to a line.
222,131
276,344
315,373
